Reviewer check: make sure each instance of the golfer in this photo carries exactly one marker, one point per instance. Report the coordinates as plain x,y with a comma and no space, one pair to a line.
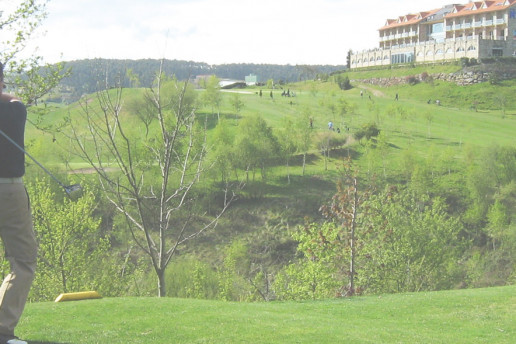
16,229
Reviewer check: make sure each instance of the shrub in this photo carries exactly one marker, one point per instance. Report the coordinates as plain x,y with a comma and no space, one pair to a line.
343,82
411,80
368,131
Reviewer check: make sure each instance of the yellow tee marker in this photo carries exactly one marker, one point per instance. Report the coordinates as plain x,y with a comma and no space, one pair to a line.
83,295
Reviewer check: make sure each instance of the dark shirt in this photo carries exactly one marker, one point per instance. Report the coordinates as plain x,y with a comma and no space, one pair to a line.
12,122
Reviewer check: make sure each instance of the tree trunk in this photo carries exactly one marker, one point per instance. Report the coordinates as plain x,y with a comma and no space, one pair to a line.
352,239
288,173
304,163
162,292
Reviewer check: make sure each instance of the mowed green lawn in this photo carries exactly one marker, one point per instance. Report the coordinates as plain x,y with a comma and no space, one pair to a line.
460,316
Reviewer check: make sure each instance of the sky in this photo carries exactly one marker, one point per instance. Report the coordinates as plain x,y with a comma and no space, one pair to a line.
216,31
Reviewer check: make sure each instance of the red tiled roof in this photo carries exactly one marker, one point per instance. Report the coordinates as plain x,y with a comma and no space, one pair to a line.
460,10
408,19
480,7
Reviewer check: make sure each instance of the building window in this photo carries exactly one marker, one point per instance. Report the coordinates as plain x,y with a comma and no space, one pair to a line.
459,49
497,52
402,58
471,48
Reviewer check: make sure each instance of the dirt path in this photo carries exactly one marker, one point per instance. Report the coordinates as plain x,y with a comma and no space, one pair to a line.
90,170
373,91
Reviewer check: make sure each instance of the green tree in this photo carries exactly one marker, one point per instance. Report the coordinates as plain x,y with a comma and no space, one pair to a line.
212,95
288,139
255,145
343,82
498,222
326,142
73,253
367,131
223,151
413,246
305,134
331,250
134,79
233,283
318,274
347,211
26,74
236,103
141,106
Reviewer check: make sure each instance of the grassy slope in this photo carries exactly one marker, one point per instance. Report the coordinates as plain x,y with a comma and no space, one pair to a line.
464,316
427,130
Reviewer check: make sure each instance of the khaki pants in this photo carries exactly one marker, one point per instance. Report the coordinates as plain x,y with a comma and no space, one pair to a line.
20,246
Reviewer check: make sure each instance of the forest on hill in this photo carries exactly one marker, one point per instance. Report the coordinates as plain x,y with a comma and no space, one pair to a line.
85,75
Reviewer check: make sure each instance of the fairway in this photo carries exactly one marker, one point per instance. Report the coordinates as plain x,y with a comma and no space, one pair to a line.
463,316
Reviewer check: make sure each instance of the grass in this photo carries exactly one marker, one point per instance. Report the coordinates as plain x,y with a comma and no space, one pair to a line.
422,125
460,316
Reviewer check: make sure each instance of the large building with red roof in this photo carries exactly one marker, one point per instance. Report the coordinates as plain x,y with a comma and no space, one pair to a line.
478,29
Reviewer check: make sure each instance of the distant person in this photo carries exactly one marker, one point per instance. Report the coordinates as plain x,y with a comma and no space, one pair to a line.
397,97
16,229
260,93
311,123
330,125
361,93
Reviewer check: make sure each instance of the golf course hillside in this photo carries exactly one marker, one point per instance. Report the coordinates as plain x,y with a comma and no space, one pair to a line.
322,189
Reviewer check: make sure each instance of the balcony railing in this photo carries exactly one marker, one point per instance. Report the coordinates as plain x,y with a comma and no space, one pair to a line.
500,21
488,22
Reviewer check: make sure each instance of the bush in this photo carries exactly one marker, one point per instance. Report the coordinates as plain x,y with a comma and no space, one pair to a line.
368,131
343,82
411,80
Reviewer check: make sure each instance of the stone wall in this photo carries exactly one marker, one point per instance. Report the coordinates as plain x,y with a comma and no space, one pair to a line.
460,78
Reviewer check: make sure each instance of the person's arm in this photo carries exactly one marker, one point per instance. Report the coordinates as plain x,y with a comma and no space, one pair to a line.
6,98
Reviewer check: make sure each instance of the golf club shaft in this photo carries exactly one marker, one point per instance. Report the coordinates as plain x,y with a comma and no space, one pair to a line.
30,156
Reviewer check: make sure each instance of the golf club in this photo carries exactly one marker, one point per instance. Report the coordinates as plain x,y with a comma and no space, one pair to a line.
69,189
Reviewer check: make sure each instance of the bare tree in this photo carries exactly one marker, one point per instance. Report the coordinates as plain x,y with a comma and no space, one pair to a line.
150,176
